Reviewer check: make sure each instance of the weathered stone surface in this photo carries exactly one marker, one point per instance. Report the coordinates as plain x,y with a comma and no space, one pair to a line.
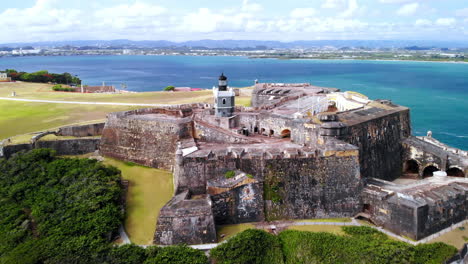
236,200
82,130
417,210
148,137
186,219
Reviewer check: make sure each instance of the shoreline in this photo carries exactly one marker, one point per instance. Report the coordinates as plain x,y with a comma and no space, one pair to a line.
385,60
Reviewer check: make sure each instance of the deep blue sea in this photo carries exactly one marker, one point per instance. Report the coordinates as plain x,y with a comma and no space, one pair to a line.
437,93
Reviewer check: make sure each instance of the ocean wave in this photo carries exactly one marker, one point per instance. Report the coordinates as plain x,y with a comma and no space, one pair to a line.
453,135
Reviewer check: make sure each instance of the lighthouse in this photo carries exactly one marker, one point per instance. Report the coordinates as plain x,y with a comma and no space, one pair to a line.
224,98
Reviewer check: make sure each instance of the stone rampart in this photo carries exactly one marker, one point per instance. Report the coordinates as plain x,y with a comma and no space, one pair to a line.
296,184
236,200
186,220
146,136
62,147
81,130
378,133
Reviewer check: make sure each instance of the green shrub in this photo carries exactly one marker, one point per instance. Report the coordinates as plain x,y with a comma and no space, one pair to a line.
250,176
127,254
169,88
363,231
57,210
58,87
250,246
229,174
433,253
177,255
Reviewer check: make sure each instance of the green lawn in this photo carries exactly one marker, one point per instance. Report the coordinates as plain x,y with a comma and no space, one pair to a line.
149,190
25,117
227,231
319,228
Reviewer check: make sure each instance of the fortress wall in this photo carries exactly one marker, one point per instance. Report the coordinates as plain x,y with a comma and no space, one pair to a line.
150,142
62,147
294,187
209,133
71,146
82,130
427,154
421,215
9,150
243,204
379,141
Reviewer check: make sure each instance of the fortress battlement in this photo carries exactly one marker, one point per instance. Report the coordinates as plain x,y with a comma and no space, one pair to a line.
308,151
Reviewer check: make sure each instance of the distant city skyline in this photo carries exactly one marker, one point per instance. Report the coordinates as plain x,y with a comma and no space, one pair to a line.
53,20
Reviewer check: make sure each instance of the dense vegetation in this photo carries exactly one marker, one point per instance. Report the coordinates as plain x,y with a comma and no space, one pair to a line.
59,88
58,210
43,77
359,245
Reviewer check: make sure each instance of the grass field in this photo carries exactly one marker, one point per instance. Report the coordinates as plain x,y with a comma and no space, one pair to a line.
319,228
457,237
149,190
226,231
25,117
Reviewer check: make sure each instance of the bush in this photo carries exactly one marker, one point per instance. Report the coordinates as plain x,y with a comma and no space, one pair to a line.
58,87
250,246
57,210
169,88
433,253
250,176
368,231
127,254
229,174
177,255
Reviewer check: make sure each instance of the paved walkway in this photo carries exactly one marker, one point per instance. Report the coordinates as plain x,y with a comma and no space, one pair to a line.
77,102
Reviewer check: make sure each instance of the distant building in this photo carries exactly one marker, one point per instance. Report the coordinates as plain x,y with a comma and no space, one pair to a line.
4,77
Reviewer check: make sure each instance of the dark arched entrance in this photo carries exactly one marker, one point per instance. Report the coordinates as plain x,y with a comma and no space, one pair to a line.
429,170
411,167
286,133
455,172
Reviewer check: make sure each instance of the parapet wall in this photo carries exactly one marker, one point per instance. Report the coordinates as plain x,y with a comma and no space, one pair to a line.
62,147
146,136
296,185
81,130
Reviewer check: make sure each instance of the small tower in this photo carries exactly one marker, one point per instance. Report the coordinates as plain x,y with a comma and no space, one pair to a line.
224,98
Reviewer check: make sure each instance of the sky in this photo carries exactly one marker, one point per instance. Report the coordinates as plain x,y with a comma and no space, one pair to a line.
283,20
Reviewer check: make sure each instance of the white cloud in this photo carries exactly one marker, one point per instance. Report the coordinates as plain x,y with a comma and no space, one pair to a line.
446,22
395,1
333,3
423,23
303,12
408,9
462,12
351,10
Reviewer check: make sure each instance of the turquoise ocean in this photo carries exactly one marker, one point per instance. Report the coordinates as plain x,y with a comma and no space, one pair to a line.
437,93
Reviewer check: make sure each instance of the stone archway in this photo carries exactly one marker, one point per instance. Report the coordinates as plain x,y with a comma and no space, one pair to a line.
411,167
429,171
286,133
455,172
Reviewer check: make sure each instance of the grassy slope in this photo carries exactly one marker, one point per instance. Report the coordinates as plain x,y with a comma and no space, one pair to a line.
25,117
149,190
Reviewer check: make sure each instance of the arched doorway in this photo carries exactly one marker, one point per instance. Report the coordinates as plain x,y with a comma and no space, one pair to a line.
429,170
455,172
272,132
411,167
286,133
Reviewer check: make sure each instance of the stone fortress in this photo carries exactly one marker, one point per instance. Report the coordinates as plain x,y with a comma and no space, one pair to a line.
299,152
